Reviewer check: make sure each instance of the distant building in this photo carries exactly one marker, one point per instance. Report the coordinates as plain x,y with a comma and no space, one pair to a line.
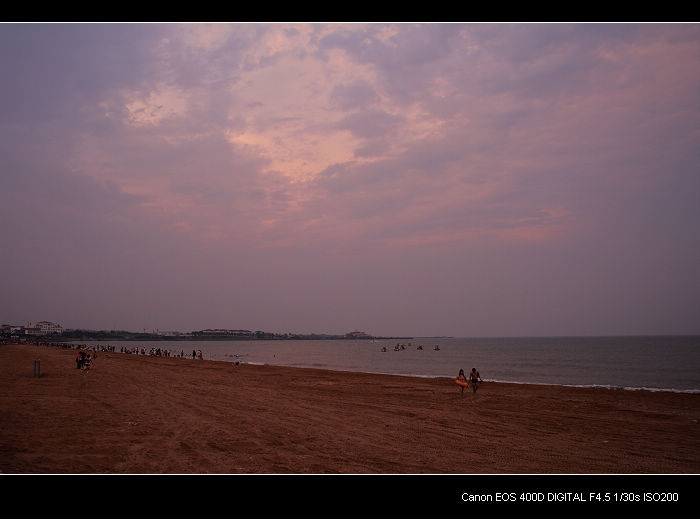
219,332
43,328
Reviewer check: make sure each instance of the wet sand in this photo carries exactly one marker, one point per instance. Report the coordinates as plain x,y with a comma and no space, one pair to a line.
134,414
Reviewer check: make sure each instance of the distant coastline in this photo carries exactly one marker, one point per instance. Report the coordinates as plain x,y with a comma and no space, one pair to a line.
202,335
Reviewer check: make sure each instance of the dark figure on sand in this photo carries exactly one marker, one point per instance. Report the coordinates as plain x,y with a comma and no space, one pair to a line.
474,378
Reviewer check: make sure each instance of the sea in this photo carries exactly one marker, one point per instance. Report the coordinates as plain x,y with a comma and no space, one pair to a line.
655,363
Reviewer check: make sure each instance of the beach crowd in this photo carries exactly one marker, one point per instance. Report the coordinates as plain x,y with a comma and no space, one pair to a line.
89,353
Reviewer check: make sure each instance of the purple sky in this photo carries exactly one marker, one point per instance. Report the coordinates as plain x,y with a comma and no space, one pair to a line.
428,179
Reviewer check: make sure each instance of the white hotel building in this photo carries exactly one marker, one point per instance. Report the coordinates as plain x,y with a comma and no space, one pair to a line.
42,328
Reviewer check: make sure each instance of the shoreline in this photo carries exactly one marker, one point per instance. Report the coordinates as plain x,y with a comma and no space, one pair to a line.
493,381
76,345
141,414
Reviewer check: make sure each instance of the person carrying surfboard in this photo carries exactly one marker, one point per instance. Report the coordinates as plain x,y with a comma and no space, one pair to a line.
474,377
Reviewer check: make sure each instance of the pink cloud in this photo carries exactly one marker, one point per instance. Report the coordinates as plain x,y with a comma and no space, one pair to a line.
424,160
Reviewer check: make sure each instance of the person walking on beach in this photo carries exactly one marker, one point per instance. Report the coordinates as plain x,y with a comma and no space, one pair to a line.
474,377
462,378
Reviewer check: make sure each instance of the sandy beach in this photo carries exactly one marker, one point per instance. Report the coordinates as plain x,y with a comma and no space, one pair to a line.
135,414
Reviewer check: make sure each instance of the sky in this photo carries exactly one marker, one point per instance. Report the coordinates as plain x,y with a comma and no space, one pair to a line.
429,179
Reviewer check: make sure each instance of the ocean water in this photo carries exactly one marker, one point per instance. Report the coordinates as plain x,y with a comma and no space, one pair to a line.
667,363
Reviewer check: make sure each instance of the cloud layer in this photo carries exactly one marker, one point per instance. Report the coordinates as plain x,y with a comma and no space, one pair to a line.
447,179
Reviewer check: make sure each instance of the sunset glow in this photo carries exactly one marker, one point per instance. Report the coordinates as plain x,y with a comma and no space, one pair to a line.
427,179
